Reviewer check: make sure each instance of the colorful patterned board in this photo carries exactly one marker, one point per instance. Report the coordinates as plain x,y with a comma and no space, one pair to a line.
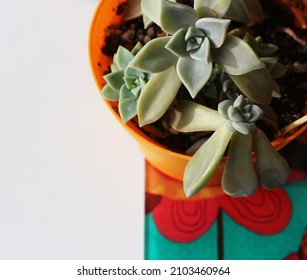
268,225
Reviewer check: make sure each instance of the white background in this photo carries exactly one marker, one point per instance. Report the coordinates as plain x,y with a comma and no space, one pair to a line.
71,178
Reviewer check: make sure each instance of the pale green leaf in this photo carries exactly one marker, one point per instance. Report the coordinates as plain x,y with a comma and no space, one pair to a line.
174,16
211,8
215,29
123,57
256,85
115,79
158,94
154,57
205,161
236,57
272,169
194,74
239,177
127,109
109,93
187,116
177,44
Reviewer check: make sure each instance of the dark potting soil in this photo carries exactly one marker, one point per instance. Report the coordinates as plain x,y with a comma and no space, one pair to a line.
278,28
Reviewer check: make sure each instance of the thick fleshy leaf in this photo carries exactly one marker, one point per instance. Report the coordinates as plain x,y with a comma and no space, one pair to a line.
202,54
123,57
269,62
177,44
272,169
268,49
126,94
215,29
247,11
115,80
187,116
243,127
109,93
236,57
223,108
194,74
158,94
154,57
127,109
251,40
239,177
151,10
205,161
136,48
174,16
211,8
256,85
278,70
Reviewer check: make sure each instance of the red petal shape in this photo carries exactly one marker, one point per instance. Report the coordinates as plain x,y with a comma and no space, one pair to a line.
184,220
265,212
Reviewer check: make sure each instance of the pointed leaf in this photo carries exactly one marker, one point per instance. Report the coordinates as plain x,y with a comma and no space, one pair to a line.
202,54
174,16
239,177
247,11
211,8
109,93
177,44
154,57
151,10
243,127
268,49
126,94
223,108
272,169
127,109
236,57
256,85
115,79
187,116
215,29
278,70
194,74
205,161
157,96
133,10
123,57
252,42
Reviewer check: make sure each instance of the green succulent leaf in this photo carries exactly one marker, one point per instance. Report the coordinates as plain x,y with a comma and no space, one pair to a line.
154,57
123,57
174,16
187,116
194,74
133,10
157,96
272,169
223,108
215,29
109,93
115,79
236,57
212,8
151,11
136,48
127,109
246,11
244,128
278,70
269,62
256,85
205,161
202,54
267,50
177,44
239,177
252,42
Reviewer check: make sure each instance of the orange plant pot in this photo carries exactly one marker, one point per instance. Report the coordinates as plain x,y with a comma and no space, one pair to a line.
168,162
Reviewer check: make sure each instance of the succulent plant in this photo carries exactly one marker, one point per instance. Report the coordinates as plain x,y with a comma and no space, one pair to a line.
124,84
234,122
201,55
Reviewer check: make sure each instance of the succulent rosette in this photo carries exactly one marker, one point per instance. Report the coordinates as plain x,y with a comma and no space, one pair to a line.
196,42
